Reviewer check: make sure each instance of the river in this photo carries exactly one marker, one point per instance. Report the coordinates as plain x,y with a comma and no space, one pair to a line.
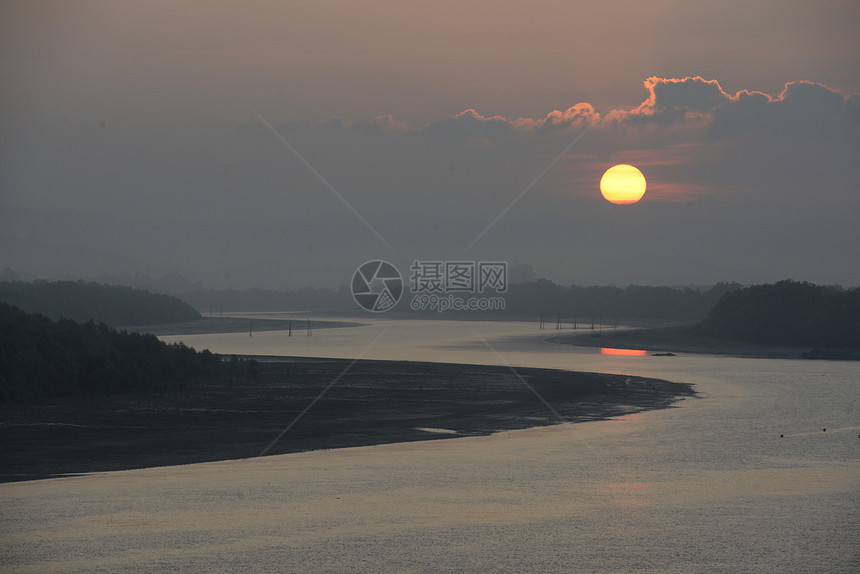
742,478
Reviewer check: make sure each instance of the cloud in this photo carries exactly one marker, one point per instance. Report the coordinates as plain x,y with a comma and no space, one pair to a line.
575,116
671,100
470,124
381,124
802,110
692,137
700,107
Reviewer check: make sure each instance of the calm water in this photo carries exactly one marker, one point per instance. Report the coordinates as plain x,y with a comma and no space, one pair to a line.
706,487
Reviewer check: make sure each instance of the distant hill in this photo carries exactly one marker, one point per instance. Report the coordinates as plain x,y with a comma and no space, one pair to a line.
531,298
610,302
787,313
41,358
110,304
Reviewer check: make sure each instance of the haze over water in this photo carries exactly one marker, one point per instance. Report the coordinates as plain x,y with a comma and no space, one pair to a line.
706,487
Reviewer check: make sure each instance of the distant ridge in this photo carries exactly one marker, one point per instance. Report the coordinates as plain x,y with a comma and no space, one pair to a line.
787,313
531,298
113,305
43,359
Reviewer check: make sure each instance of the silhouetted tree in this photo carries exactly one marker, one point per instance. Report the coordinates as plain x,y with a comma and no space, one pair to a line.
788,313
41,358
111,304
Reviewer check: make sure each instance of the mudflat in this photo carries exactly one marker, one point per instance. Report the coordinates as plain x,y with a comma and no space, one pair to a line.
367,402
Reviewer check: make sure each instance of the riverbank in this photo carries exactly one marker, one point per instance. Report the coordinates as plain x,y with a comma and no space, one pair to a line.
684,340
371,402
211,325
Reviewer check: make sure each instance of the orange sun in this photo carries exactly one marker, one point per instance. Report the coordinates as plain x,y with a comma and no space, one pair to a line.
622,184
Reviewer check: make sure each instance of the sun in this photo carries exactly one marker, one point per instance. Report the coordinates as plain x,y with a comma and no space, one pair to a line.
622,184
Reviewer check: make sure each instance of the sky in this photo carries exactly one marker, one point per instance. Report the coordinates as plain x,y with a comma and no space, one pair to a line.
282,144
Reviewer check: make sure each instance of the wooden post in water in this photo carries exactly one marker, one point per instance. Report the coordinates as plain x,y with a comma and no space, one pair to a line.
541,322
290,328
557,322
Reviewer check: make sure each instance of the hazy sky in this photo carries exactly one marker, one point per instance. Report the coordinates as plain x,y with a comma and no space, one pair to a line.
281,144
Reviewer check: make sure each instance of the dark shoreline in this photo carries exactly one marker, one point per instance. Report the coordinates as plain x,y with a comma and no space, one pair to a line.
215,325
373,402
683,339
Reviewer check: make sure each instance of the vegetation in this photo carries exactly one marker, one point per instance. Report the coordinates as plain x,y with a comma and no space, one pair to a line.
41,358
110,304
788,313
610,302
540,297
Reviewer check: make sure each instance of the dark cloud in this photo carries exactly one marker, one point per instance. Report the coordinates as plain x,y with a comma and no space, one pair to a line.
576,116
380,124
803,110
671,100
470,124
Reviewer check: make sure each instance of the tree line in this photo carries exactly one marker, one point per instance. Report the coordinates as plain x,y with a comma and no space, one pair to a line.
113,305
610,302
531,298
41,358
788,313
